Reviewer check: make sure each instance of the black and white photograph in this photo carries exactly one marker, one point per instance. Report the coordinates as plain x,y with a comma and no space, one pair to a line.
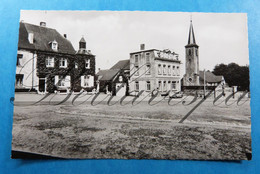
132,85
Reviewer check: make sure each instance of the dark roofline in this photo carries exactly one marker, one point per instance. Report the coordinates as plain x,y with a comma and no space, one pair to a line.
144,51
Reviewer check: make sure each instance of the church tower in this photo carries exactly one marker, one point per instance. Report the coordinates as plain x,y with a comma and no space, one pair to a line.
191,77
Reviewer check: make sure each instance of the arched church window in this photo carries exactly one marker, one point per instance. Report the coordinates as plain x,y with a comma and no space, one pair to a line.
189,52
190,79
196,52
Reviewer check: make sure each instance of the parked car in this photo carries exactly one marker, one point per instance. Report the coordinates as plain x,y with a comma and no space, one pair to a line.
176,95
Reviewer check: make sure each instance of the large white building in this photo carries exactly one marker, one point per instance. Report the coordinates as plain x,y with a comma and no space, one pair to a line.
154,69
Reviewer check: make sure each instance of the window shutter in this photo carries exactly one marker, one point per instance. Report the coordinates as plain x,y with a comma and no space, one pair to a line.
67,81
56,80
91,81
82,81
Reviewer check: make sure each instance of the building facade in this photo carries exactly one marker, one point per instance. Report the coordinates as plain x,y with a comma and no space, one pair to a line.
47,62
154,70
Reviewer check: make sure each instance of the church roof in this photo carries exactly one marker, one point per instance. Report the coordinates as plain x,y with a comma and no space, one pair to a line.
210,77
191,39
122,64
42,37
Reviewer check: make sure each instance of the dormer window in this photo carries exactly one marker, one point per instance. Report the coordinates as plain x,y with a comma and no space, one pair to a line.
87,63
54,45
30,38
63,63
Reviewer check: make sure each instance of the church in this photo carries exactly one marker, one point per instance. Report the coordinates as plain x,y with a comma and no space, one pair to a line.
194,78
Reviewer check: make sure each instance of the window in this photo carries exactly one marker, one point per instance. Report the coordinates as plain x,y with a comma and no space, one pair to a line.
19,80
148,69
87,63
63,63
19,56
196,52
189,52
178,70
159,69
136,58
169,70
137,86
164,86
61,81
136,70
173,70
147,57
159,85
148,86
50,62
164,69
30,38
120,78
76,65
54,45
173,84
87,81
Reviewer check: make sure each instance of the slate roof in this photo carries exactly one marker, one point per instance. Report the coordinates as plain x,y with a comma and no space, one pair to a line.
122,64
210,77
191,39
107,74
42,38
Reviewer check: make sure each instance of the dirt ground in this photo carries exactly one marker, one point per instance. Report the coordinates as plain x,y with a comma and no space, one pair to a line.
141,131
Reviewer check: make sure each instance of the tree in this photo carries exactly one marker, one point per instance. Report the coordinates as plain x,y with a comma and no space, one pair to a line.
234,75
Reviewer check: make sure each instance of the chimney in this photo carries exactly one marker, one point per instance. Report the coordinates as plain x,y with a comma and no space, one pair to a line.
65,35
43,24
142,47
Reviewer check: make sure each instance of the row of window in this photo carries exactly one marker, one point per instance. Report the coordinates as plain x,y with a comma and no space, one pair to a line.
162,85
147,58
86,81
161,70
168,70
63,63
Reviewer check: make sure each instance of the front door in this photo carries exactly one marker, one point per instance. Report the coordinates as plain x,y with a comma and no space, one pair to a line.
122,89
42,84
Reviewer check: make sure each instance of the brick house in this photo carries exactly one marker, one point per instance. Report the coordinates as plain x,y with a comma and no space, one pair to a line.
47,61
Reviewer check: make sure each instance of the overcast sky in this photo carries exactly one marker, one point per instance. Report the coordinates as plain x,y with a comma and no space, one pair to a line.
112,35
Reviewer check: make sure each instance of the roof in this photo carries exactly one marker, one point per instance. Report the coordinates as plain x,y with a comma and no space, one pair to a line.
107,74
122,64
84,51
191,39
82,40
210,77
42,36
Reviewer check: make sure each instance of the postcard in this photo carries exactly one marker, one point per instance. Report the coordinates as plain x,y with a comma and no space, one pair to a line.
132,85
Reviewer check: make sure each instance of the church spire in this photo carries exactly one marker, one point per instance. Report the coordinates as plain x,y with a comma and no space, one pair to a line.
191,40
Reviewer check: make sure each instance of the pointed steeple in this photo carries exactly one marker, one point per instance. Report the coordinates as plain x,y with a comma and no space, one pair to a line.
191,40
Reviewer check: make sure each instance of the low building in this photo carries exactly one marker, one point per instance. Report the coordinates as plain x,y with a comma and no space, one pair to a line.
115,80
47,61
154,69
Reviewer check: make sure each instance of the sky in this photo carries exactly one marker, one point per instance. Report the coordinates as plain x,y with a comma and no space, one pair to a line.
113,35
